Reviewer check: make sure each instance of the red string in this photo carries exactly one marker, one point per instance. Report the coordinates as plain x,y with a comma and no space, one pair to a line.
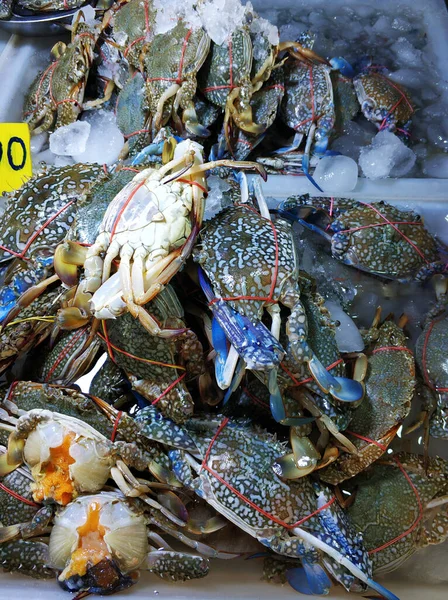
247,500
270,297
66,350
139,358
129,135
11,389
424,364
177,79
230,86
255,399
169,388
393,225
114,430
414,489
297,383
18,496
107,340
124,207
36,234
196,183
387,348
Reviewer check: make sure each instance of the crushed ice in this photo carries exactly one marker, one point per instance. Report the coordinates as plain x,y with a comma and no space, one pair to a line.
387,156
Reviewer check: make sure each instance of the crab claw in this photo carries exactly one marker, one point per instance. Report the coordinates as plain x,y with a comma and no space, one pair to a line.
71,318
341,388
344,67
252,341
310,579
67,257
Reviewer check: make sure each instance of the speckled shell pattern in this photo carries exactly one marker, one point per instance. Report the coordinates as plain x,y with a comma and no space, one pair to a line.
238,252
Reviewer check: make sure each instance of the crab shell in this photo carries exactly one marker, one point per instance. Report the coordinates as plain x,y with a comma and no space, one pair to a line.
383,101
99,539
390,384
309,100
430,354
386,506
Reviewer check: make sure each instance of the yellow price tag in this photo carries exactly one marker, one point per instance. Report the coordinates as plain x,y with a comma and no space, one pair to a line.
15,156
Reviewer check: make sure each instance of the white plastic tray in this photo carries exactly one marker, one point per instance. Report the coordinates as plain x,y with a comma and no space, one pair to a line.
19,63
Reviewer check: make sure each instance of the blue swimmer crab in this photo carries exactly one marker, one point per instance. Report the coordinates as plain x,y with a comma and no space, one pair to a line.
239,67
383,102
55,97
399,506
37,218
171,62
376,238
389,382
132,24
152,247
158,368
252,264
232,466
66,359
430,352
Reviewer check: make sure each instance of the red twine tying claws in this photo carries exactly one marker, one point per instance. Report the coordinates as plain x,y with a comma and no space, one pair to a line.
393,224
270,297
18,496
247,500
21,255
298,383
114,430
408,479
177,79
169,388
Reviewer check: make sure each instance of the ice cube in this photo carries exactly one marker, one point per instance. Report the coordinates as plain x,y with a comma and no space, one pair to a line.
411,78
355,136
336,174
221,17
387,156
105,141
38,141
401,24
216,201
436,166
406,54
438,134
70,139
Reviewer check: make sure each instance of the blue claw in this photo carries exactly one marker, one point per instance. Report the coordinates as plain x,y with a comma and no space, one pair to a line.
310,579
341,388
256,345
344,67
385,593
151,150
306,171
276,399
219,342
237,377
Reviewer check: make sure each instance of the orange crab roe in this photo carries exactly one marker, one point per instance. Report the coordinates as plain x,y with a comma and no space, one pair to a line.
55,481
92,548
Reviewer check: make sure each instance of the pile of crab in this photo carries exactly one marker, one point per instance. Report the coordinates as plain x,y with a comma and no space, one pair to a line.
239,92
222,406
